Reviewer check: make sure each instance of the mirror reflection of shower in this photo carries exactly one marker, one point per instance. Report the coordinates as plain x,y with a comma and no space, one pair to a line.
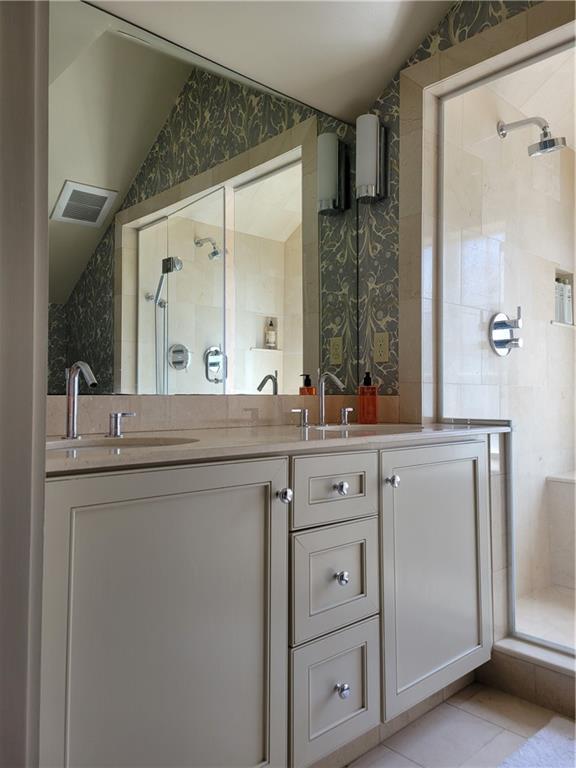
169,264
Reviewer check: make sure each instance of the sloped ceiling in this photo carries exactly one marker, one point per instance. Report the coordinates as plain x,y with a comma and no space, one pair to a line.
334,56
109,97
544,89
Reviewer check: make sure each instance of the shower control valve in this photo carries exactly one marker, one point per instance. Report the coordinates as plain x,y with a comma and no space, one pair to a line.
501,333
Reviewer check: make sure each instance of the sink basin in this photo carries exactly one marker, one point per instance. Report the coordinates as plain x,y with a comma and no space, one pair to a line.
356,427
117,442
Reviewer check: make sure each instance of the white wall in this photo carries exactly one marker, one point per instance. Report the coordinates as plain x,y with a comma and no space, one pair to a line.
509,223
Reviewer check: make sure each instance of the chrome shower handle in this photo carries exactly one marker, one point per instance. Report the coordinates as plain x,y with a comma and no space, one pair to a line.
513,322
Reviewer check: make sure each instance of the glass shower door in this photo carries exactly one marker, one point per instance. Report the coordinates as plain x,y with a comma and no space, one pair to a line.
195,359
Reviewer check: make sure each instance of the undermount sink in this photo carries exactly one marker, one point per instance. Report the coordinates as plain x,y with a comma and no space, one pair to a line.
117,442
354,427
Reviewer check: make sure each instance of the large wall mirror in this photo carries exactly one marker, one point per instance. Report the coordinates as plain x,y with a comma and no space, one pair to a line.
186,252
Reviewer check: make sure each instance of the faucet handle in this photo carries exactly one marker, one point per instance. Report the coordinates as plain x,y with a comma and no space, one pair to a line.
116,417
303,415
344,416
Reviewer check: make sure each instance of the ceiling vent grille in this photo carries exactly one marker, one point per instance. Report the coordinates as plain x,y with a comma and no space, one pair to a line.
83,204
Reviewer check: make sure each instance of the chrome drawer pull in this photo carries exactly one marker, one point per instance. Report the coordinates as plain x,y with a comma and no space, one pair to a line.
343,690
342,487
285,495
342,577
394,481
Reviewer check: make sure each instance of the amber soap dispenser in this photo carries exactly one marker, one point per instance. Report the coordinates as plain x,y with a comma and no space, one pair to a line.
367,401
307,388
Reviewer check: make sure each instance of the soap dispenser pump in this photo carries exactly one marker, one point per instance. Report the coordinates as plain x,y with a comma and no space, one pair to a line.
307,388
367,401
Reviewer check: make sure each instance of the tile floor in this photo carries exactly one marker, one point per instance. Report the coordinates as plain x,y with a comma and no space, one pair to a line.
479,727
548,613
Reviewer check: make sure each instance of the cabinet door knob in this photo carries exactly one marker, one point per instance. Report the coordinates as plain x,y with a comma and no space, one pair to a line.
285,495
394,481
342,487
342,577
343,690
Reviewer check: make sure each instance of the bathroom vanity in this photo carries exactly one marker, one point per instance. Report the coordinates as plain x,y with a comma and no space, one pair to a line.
260,596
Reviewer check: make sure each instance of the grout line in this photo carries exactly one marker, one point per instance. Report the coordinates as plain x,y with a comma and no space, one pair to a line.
402,753
503,728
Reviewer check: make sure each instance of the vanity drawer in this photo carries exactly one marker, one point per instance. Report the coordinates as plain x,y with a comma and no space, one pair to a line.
334,577
325,717
334,488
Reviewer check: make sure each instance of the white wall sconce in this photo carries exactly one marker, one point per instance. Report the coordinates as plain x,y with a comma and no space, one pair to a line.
372,177
333,175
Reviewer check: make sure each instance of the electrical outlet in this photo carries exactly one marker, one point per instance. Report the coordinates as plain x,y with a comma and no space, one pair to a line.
381,347
336,350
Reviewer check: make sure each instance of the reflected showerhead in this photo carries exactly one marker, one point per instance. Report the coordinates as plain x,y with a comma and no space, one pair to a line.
547,142
215,252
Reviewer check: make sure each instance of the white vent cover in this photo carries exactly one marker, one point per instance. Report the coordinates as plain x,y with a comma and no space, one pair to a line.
83,204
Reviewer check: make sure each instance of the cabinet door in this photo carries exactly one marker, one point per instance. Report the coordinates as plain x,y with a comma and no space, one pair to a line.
436,569
165,618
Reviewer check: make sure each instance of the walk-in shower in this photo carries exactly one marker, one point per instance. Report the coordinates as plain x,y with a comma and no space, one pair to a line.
547,142
507,205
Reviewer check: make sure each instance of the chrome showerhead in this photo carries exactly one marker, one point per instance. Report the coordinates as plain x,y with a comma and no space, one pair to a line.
547,142
215,252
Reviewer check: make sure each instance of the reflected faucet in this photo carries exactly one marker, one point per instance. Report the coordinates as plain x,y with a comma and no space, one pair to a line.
322,393
72,375
273,377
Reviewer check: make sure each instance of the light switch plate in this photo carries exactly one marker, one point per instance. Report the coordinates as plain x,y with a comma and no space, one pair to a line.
381,350
336,350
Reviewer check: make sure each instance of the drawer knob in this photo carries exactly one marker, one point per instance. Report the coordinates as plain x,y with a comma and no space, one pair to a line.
394,481
342,577
342,487
286,495
343,690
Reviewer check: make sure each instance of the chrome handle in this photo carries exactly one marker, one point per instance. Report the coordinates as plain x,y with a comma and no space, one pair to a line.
303,415
285,495
343,690
115,426
342,577
394,481
344,415
342,487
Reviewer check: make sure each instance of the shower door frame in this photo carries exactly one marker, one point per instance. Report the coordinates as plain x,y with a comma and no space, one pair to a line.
510,494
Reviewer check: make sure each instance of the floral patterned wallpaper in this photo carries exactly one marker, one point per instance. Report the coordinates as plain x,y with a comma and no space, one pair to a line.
215,119
378,222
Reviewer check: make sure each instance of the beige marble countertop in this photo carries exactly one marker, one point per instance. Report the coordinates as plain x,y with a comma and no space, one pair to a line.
244,442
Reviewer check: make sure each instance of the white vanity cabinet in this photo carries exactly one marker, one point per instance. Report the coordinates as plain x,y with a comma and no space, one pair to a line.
191,618
166,618
435,557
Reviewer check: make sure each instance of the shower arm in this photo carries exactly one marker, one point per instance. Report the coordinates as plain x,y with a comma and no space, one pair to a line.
505,128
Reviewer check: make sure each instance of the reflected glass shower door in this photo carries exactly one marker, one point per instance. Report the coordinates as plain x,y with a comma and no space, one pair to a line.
195,359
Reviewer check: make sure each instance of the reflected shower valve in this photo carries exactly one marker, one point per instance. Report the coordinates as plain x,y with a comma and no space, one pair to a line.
501,333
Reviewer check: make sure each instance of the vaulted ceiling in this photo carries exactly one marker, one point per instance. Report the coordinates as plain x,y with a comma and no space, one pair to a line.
334,56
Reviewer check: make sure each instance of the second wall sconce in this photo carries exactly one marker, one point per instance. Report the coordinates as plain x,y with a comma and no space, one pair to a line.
333,175
372,173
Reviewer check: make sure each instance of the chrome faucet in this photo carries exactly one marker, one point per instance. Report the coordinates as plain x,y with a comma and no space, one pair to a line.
72,375
273,377
322,393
